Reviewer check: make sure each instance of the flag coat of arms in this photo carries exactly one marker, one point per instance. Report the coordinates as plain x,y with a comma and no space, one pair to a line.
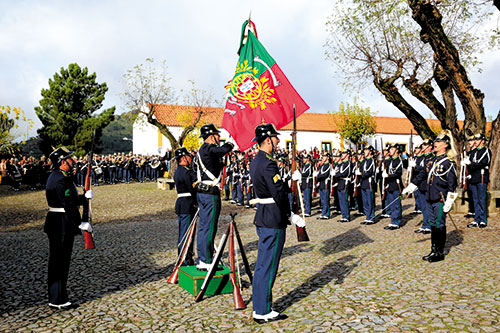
259,92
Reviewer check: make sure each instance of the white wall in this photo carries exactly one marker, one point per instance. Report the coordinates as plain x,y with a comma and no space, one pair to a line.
145,139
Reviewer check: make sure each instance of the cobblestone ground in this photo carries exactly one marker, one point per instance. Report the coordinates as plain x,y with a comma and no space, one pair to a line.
348,277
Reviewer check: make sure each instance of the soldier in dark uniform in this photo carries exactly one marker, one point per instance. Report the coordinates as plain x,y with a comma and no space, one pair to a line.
442,182
62,223
307,184
185,206
208,167
342,178
419,185
271,219
366,173
335,169
323,178
392,175
478,163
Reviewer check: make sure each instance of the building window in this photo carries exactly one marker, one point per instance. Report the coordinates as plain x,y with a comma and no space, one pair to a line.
326,146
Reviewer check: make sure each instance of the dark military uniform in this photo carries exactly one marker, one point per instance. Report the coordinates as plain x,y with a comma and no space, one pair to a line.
271,220
209,172
441,180
306,186
423,166
185,206
479,173
61,226
394,169
324,189
367,168
342,177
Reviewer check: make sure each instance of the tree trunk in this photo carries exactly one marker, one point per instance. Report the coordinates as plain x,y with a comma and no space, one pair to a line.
429,19
163,129
495,153
391,93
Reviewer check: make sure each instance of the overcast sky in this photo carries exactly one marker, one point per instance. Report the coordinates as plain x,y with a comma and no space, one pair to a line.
198,40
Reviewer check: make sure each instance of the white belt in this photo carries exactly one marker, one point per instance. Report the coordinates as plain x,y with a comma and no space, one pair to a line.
181,195
56,210
210,182
263,201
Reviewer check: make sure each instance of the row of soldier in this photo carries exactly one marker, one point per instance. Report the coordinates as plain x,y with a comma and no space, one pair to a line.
106,169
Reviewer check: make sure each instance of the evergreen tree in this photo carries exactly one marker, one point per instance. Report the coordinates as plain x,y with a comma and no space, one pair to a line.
67,110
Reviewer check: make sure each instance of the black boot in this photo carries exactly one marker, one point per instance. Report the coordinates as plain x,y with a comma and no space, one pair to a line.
441,240
433,244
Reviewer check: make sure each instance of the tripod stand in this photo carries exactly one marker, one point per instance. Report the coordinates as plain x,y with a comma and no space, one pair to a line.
230,233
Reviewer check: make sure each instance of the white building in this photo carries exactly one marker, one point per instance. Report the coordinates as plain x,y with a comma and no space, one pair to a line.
313,130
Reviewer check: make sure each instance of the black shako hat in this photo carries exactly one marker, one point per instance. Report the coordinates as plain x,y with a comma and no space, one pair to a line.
427,142
59,155
443,138
478,136
263,131
207,130
179,152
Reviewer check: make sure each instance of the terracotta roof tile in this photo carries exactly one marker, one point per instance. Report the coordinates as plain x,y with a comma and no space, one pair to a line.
309,121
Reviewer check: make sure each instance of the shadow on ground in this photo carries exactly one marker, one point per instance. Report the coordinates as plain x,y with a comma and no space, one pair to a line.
346,241
335,271
124,257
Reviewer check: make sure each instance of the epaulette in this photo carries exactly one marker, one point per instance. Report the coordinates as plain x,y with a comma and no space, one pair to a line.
269,157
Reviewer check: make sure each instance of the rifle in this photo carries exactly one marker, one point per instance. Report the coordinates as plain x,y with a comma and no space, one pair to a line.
224,176
301,231
409,170
87,211
356,179
382,162
230,233
185,247
239,304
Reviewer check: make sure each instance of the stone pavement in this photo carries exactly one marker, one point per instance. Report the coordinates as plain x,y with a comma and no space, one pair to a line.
348,277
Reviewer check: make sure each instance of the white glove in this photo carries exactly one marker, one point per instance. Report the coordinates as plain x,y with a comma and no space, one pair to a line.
85,226
296,175
358,173
412,163
384,174
466,160
297,220
315,174
450,198
409,189
89,194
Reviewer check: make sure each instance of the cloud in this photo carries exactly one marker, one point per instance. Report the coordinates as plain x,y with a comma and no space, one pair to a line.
198,39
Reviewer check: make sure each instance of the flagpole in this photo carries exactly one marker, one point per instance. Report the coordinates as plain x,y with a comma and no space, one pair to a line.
296,195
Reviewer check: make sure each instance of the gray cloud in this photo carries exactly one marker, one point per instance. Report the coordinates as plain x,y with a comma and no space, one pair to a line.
198,39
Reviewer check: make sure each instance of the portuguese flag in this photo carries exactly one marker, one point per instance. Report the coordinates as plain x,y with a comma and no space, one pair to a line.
259,92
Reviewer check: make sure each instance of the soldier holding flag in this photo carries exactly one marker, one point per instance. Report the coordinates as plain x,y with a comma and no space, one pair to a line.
208,167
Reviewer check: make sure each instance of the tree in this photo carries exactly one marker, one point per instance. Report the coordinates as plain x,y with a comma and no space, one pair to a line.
12,119
148,86
354,122
67,110
412,44
112,139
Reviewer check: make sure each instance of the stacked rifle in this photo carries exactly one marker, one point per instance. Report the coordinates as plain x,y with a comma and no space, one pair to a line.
228,236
